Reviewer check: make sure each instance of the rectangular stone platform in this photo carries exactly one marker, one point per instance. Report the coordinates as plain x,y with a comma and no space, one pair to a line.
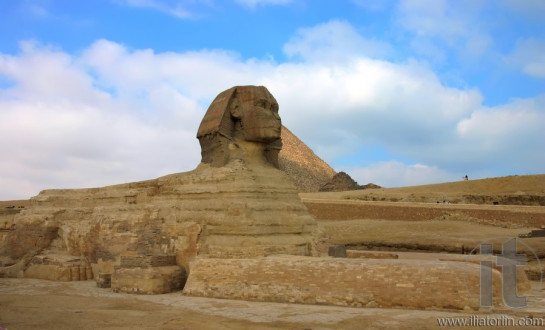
416,284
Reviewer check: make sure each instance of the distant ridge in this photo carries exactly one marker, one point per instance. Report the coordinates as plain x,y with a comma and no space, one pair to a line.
512,184
308,171
507,190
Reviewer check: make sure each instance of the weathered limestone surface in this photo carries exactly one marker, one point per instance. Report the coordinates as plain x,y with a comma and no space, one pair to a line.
236,203
384,283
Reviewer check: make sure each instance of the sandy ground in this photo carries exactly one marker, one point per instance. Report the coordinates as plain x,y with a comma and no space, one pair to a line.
442,234
39,304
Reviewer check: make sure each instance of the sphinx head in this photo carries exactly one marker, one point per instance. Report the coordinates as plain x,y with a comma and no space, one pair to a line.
241,123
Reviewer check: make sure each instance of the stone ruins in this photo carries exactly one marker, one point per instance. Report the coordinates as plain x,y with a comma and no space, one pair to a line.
234,227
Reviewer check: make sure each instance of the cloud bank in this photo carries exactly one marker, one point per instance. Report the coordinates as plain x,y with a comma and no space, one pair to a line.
111,114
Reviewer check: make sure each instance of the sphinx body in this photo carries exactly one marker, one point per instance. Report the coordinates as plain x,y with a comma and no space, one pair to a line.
236,203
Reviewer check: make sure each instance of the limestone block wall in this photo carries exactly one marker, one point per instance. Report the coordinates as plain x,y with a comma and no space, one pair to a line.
344,282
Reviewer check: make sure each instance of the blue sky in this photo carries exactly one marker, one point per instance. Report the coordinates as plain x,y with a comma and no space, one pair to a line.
393,92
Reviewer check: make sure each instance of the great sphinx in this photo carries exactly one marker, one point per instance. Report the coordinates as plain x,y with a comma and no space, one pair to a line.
236,203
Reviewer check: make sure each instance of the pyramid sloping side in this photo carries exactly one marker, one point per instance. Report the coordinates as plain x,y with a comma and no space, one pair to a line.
308,171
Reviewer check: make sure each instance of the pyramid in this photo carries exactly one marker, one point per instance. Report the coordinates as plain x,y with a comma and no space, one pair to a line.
308,171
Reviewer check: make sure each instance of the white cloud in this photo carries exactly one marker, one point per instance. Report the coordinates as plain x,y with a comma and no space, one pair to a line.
396,174
34,70
440,24
366,101
333,41
509,135
66,132
529,55
441,18
174,8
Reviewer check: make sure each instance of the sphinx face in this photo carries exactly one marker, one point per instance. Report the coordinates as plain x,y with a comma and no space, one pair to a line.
261,122
258,115
241,114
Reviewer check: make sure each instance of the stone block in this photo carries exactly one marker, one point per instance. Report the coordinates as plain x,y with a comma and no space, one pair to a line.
153,280
104,280
337,251
74,273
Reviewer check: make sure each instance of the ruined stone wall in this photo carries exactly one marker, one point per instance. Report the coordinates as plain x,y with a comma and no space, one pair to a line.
344,282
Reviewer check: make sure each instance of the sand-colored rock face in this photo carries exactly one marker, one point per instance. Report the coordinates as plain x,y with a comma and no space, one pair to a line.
236,203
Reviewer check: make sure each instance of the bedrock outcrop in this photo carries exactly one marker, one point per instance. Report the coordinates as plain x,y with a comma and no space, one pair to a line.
236,203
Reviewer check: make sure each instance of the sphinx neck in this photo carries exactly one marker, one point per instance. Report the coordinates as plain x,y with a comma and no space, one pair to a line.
250,152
